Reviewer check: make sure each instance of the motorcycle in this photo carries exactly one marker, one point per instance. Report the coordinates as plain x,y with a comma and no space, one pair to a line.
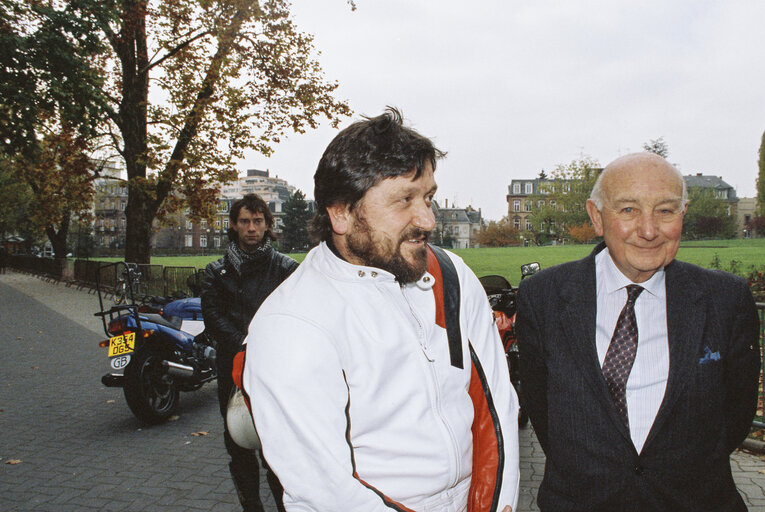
501,296
159,356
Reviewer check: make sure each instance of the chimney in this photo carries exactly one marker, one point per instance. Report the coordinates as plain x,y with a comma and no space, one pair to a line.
446,203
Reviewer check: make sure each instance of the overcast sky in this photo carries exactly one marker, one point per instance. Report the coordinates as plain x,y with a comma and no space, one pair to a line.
509,88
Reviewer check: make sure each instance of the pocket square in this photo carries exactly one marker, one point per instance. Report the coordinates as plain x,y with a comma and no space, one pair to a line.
709,356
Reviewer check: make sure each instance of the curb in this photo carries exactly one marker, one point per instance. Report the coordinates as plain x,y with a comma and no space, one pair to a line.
753,445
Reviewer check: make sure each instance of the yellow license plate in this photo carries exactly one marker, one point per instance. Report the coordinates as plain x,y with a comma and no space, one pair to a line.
121,345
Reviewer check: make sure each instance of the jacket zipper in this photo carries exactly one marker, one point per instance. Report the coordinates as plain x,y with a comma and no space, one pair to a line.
436,392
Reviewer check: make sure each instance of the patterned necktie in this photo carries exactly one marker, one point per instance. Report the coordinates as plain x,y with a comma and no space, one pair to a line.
621,353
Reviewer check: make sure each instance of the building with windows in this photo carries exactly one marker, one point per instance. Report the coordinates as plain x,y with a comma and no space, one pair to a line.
457,228
519,199
274,191
110,201
184,235
179,233
721,189
746,211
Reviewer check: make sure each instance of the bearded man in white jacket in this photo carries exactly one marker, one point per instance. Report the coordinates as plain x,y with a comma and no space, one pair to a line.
376,376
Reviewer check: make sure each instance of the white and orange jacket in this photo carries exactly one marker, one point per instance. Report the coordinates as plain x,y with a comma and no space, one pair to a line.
360,402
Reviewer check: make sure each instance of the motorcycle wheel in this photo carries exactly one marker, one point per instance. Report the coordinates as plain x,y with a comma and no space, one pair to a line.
150,393
513,361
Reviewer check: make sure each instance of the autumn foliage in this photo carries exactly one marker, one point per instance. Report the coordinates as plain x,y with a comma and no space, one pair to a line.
582,233
499,234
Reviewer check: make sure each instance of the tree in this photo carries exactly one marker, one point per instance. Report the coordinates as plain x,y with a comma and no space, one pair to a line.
499,234
226,76
761,180
442,237
561,199
60,177
756,226
51,104
15,199
295,227
707,216
583,234
657,146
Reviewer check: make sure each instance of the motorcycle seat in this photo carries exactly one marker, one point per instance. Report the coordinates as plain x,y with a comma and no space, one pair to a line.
159,320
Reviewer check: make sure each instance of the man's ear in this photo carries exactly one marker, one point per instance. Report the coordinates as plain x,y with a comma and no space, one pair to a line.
339,215
595,217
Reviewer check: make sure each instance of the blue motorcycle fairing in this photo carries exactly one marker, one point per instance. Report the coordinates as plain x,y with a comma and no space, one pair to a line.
182,340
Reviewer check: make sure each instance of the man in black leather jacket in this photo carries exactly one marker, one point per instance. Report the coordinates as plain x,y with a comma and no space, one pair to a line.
233,289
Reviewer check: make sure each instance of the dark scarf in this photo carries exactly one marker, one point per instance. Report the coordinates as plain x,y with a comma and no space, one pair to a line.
238,257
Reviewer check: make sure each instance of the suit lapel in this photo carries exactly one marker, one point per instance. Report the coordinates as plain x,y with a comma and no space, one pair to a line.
579,316
685,323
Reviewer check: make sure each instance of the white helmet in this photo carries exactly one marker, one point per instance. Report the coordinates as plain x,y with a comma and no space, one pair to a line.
239,421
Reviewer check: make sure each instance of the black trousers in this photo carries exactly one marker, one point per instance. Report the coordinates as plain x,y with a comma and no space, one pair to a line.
245,464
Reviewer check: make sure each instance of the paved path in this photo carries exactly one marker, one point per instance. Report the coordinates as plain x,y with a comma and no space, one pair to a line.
81,449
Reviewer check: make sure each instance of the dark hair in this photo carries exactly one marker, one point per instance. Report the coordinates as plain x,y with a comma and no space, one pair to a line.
255,204
363,155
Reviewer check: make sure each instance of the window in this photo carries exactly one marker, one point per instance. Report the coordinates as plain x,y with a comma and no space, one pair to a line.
516,188
540,203
529,227
189,225
528,206
122,205
516,205
217,223
225,222
529,188
203,241
566,188
517,223
552,203
216,242
188,241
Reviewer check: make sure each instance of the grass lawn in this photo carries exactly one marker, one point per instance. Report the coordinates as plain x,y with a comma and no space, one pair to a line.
738,255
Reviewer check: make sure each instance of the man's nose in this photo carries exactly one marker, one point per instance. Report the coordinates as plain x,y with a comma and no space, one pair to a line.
424,217
648,225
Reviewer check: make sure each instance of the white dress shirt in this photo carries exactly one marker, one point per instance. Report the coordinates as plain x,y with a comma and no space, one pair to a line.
648,379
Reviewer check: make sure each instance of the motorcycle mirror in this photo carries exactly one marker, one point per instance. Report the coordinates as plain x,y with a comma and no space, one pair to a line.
529,269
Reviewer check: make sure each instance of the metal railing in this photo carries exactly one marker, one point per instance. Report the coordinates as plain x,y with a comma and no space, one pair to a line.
155,280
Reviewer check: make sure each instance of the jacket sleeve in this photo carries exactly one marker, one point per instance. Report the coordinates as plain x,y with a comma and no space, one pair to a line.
300,399
742,370
485,340
217,322
532,362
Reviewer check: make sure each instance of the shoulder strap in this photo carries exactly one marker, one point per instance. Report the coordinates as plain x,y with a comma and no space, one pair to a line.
447,293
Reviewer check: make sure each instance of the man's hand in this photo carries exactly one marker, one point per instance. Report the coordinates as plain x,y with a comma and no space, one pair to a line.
507,509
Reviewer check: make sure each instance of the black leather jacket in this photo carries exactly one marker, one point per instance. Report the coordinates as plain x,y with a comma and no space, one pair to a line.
229,300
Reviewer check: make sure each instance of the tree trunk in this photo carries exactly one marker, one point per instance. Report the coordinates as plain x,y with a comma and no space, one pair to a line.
139,214
141,208
58,238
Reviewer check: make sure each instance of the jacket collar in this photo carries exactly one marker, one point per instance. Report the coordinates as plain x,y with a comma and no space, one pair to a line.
338,268
241,260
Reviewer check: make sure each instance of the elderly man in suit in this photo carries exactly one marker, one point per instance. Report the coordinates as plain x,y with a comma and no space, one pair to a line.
639,371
